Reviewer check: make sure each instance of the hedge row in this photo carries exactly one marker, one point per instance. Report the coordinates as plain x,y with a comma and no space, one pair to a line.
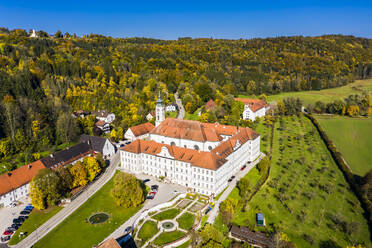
349,176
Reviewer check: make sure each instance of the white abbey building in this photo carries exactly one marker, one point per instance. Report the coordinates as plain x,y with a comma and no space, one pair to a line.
200,156
253,108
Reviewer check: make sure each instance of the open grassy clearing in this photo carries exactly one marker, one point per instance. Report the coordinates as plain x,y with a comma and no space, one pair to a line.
326,95
34,221
353,138
167,214
265,134
186,221
171,114
194,116
76,231
167,237
306,195
148,230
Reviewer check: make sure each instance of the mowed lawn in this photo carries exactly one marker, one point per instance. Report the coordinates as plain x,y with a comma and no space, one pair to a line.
306,196
353,138
326,95
76,231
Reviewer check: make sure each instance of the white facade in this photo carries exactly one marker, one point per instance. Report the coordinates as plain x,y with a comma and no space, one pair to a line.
108,119
159,111
130,136
248,114
108,149
201,180
14,195
170,108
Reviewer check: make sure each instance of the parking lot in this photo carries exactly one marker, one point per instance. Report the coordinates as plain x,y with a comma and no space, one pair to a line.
7,214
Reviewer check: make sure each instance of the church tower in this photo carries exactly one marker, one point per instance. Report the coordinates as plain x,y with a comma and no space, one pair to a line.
159,111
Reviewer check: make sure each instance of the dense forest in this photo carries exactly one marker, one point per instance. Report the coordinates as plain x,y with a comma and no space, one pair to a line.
44,79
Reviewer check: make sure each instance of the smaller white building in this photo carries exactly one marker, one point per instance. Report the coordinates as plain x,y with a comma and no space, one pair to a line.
253,108
150,116
14,185
171,107
141,131
33,34
104,115
99,145
104,126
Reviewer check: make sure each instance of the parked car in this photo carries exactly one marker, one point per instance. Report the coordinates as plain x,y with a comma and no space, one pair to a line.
12,229
244,166
5,239
15,226
13,204
229,180
146,180
151,195
18,221
154,187
175,191
23,217
24,212
7,232
208,209
232,177
29,207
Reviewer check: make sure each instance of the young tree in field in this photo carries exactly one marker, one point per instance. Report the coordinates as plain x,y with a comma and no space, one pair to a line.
244,187
92,167
45,189
227,210
127,191
79,174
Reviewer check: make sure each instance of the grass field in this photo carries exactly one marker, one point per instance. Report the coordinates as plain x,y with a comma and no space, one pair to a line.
167,214
186,221
167,237
326,95
76,231
148,230
306,195
353,138
35,219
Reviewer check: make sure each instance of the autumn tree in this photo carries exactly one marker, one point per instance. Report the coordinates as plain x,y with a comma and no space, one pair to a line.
227,210
244,187
127,191
66,128
67,179
92,167
45,189
79,174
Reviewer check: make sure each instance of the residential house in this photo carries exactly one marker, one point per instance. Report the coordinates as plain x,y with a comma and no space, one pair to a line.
141,131
209,106
103,126
104,115
253,108
150,115
99,145
14,185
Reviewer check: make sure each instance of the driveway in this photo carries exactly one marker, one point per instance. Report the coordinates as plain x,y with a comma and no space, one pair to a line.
71,207
181,109
165,194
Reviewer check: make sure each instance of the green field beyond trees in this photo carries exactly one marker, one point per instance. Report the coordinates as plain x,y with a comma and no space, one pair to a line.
76,231
325,95
306,196
353,138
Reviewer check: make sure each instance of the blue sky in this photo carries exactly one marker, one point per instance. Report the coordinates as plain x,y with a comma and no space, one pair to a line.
173,19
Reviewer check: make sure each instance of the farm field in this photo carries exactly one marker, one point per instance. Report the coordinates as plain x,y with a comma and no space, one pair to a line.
326,95
353,138
76,231
306,195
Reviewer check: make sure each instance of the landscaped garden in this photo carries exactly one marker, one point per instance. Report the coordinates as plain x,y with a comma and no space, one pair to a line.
186,221
167,237
167,214
353,138
306,196
149,228
77,231
34,221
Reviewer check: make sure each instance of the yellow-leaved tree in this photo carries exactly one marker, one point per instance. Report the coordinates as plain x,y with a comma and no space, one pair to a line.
79,174
92,167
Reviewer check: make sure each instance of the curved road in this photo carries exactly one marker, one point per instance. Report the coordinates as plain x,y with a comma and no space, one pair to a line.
43,230
181,110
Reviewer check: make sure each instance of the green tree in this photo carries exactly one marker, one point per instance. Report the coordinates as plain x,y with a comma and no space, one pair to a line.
45,189
244,187
67,179
227,210
127,191
66,128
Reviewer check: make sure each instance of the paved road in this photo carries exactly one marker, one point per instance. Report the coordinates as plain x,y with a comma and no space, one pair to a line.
214,213
71,207
165,194
181,110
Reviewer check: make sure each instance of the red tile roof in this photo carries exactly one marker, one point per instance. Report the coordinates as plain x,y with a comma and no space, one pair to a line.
100,123
19,177
186,129
110,243
210,105
142,129
208,160
254,104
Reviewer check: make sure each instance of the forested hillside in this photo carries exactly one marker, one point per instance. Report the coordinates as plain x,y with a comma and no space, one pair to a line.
44,79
